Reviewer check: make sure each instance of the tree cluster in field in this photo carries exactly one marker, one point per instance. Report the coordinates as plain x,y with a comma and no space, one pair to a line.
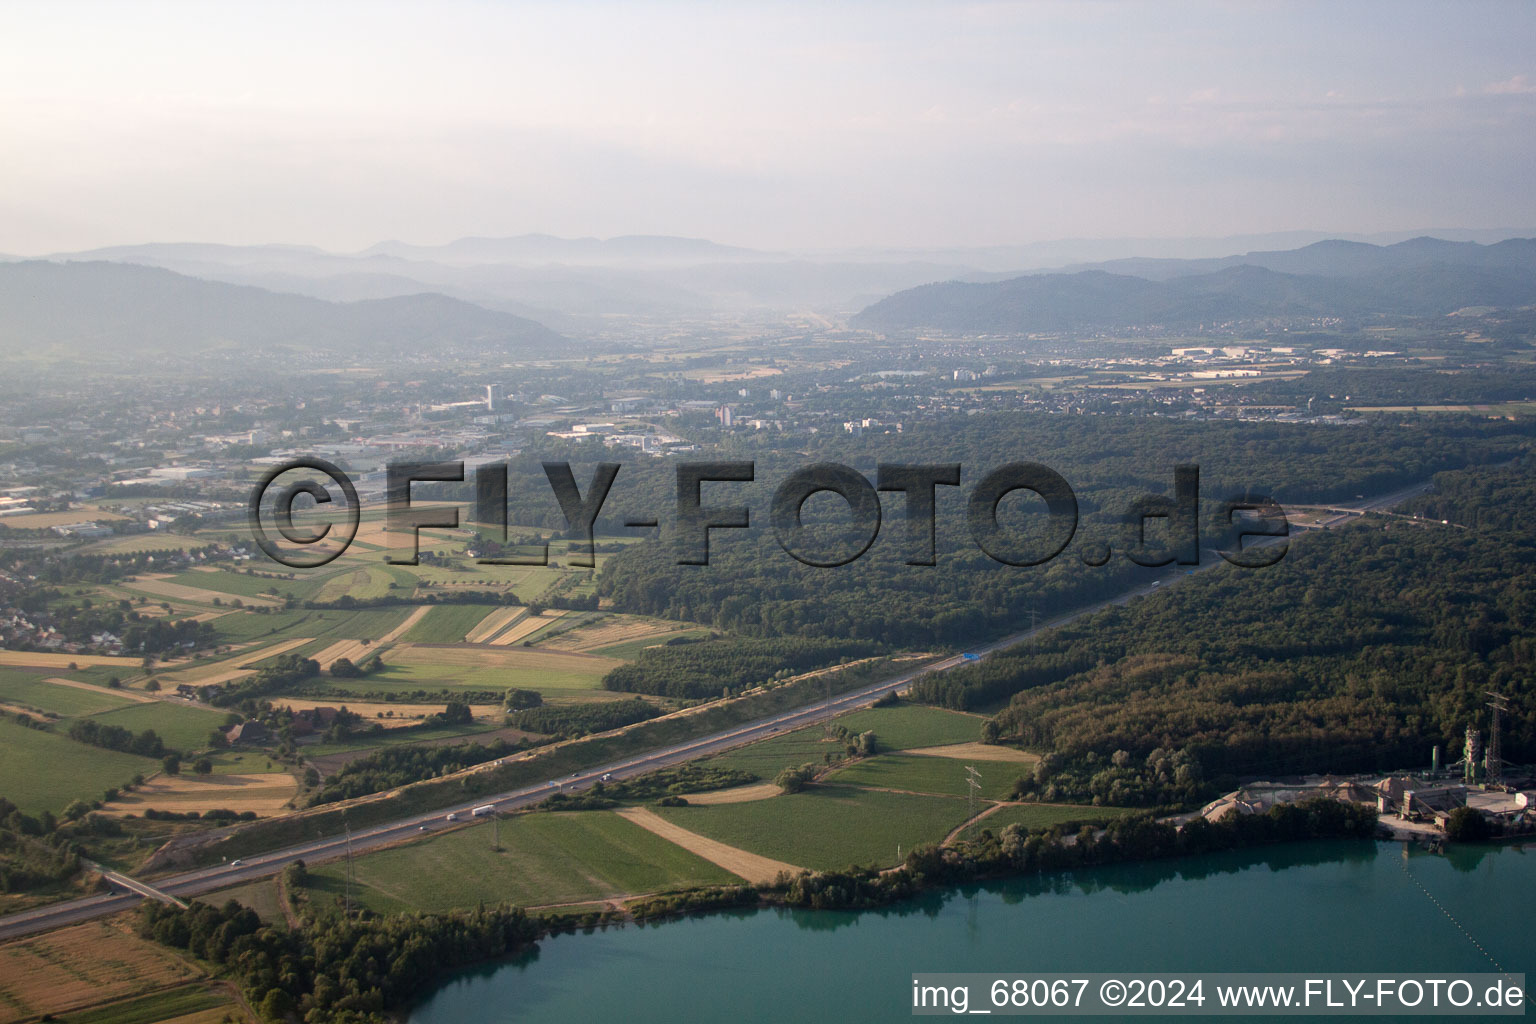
1360,651
708,669
793,780
568,721
336,970
115,737
517,699
401,765
1015,851
662,785
33,853
285,672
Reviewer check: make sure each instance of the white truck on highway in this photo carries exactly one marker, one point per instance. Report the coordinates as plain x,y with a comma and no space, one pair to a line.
482,810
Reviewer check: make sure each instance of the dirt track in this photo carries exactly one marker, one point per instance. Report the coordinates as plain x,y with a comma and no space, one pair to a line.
749,866
735,795
976,752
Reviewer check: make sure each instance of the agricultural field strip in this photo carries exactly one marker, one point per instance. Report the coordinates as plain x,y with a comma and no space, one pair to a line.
492,624
608,632
160,586
231,668
83,966
129,695
524,627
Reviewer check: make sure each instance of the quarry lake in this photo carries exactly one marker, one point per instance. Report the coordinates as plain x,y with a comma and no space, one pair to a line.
1324,907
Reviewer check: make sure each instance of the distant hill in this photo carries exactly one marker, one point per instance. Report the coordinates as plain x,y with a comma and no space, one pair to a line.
625,250
117,308
1420,277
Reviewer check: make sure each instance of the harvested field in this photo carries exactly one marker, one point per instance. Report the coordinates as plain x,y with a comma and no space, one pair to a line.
126,694
404,714
978,752
83,965
266,794
57,662
752,867
735,795
493,623
525,627
614,629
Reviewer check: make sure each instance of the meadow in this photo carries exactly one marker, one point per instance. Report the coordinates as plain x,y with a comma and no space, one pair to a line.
44,771
940,775
827,827
31,690
899,727
544,859
182,727
1039,817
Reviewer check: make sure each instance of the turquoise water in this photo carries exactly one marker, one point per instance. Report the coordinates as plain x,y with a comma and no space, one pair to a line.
1326,907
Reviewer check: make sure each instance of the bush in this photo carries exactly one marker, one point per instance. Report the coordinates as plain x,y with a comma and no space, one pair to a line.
793,780
1467,825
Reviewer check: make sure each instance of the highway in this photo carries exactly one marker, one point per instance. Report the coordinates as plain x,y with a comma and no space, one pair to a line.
220,876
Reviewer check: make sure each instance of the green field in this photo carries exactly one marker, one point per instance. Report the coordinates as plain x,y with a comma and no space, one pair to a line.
44,771
919,774
240,585
545,858
362,584
766,758
398,678
243,762
27,688
1038,817
260,896
447,623
156,1007
629,650
908,726
239,626
395,737
827,827
320,624
901,727
181,727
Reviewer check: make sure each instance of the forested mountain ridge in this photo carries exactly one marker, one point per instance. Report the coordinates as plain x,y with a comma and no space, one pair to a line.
76,309
1424,277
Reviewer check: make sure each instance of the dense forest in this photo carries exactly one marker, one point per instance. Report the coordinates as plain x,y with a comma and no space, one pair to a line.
752,586
1361,650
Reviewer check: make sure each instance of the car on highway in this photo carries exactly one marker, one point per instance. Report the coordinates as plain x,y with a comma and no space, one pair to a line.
237,863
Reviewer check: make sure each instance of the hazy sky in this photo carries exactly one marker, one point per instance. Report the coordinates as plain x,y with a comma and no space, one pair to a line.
772,124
